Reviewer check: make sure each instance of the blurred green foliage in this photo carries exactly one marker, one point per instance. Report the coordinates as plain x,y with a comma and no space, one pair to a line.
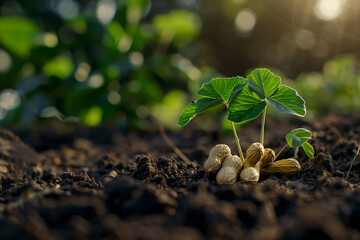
334,89
122,61
98,61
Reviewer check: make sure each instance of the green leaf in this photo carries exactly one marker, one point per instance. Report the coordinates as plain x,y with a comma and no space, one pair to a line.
222,88
287,100
298,137
245,106
16,33
263,82
195,108
309,150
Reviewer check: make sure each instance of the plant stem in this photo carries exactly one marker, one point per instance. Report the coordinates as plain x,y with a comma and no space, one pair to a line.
263,127
237,142
280,151
352,163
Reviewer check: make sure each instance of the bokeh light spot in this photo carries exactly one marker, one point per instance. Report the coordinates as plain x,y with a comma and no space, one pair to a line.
96,81
328,9
82,72
136,59
305,39
114,98
9,99
50,39
105,11
245,21
68,9
125,43
5,61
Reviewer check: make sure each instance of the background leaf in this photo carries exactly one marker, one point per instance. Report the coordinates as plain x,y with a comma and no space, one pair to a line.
60,67
245,106
298,137
15,34
287,100
309,150
195,108
263,82
180,25
222,87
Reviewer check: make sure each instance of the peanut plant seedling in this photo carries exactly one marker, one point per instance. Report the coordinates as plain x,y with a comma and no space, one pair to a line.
299,137
246,99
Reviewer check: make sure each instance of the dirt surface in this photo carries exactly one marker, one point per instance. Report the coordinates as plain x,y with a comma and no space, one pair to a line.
101,183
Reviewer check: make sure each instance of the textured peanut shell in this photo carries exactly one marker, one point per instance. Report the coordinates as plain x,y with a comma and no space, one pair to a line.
250,174
216,156
285,167
253,154
229,171
267,158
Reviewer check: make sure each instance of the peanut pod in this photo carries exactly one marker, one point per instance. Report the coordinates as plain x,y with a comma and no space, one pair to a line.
229,171
285,167
216,156
267,158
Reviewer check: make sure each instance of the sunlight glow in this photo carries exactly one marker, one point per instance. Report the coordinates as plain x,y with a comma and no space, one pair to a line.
245,21
328,9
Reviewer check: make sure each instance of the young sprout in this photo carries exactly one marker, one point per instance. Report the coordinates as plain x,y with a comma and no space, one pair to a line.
299,137
264,89
245,100
217,91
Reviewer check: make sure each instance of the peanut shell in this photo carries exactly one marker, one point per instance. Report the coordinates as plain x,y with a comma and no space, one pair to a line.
216,156
285,167
229,171
253,154
267,158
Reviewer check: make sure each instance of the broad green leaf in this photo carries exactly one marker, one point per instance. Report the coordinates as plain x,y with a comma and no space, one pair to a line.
297,137
16,33
309,150
287,100
207,90
222,87
245,106
195,108
263,82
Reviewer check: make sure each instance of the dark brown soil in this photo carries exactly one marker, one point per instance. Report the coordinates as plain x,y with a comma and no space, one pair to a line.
101,183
